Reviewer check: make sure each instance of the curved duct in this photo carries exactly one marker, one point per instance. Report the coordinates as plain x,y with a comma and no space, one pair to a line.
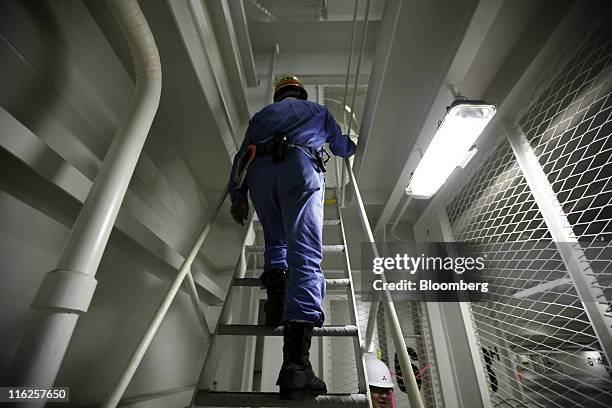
66,292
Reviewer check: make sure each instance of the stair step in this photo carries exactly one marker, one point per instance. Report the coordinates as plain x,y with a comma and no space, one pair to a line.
260,330
330,201
329,283
334,249
326,223
271,399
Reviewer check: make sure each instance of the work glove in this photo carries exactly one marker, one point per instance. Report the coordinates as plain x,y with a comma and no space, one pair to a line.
240,211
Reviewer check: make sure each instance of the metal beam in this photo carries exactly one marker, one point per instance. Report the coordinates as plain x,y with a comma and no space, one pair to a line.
194,26
454,339
541,287
521,93
243,41
561,232
136,237
227,44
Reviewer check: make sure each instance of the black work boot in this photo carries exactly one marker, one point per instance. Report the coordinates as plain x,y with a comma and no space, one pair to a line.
275,282
296,379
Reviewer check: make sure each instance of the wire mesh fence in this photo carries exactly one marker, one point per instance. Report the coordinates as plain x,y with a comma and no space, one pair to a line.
345,115
569,128
333,99
537,342
538,346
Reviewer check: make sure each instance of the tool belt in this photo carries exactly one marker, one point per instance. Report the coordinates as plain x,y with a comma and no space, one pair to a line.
279,146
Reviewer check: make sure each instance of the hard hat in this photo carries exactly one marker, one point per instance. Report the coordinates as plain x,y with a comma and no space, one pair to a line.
378,373
287,81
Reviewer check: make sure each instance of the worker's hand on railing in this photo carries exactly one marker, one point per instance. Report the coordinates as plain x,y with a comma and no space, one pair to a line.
240,211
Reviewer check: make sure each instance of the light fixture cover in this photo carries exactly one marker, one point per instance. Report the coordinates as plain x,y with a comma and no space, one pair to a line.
463,123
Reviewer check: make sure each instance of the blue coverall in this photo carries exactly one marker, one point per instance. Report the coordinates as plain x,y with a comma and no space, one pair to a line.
288,198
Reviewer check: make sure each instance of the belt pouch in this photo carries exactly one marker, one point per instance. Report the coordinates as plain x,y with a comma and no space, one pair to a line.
279,146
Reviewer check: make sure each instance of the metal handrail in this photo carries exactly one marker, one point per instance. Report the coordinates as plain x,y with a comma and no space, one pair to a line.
213,354
160,313
128,372
412,388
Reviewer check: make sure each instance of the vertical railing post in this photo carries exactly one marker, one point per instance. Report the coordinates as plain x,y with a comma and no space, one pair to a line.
561,232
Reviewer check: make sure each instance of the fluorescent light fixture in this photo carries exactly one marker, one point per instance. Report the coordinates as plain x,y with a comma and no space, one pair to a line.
452,146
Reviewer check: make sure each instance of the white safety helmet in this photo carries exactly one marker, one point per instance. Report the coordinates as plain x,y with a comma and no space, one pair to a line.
378,373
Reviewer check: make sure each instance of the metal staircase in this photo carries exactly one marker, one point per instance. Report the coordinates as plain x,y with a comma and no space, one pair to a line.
204,396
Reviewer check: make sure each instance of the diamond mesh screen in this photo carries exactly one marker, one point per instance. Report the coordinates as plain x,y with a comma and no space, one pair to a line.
537,343
570,127
333,96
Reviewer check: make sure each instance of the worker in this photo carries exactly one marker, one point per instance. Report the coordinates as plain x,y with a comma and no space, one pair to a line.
379,381
283,153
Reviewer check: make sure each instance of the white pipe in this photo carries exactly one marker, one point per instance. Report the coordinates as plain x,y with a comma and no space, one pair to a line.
158,317
350,58
412,388
346,82
67,291
275,53
361,52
